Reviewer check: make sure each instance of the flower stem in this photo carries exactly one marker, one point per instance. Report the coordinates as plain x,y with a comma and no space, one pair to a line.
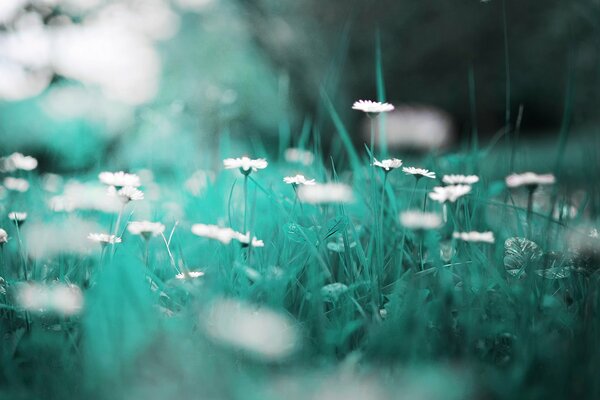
529,209
23,260
245,202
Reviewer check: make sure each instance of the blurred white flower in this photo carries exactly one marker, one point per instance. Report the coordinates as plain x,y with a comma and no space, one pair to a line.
17,216
415,219
16,184
415,127
119,179
298,180
112,56
104,238
47,239
20,82
146,229
188,275
80,196
418,173
460,179
372,107
388,164
18,161
260,332
245,164
473,236
224,235
326,193
244,239
199,181
52,182
3,236
450,193
57,298
295,155
529,179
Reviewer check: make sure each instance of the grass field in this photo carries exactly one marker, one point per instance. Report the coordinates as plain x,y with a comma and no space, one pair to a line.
341,296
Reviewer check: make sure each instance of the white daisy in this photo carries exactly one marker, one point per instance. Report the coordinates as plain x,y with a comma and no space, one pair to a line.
450,193
119,179
104,238
415,219
326,193
188,275
223,235
17,216
388,164
473,236
418,173
299,156
245,240
298,180
3,236
245,164
145,228
529,179
16,184
460,179
126,193
19,161
372,107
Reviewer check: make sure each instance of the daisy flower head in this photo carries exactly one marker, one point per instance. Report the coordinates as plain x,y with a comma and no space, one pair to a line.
16,184
119,179
126,193
529,179
298,180
418,173
473,236
326,193
223,235
388,164
460,179
146,229
104,238
245,164
17,217
189,275
3,236
450,193
372,107
420,220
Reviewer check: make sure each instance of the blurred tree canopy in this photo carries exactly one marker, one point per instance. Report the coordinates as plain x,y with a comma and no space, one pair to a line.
429,46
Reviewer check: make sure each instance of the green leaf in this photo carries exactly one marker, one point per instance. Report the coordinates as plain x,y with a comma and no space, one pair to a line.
520,254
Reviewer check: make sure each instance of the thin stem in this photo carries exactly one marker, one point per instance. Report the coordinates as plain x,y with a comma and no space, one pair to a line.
529,209
116,229
23,260
146,252
245,202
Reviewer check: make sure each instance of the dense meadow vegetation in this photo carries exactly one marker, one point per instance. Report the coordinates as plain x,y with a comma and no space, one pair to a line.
372,280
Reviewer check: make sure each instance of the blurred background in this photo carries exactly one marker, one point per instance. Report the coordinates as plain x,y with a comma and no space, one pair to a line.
141,83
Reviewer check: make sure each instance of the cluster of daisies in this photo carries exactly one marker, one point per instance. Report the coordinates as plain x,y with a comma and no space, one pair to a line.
454,186
125,188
